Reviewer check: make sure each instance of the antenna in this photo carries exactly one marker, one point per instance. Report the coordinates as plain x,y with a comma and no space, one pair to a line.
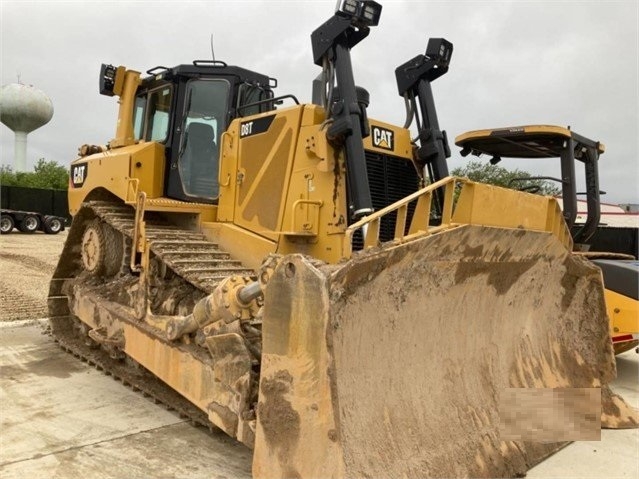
212,51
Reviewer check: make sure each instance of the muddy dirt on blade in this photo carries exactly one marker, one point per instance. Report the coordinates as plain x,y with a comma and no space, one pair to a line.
465,315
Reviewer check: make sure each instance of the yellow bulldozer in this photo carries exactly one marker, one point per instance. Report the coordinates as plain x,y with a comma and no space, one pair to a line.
313,282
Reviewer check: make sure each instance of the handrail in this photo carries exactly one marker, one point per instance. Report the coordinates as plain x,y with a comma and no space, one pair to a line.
139,234
268,100
132,186
226,149
419,226
307,227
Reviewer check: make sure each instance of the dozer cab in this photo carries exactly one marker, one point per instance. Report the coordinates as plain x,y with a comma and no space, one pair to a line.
620,271
313,282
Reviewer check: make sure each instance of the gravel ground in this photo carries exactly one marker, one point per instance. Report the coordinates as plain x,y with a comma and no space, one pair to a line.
27,262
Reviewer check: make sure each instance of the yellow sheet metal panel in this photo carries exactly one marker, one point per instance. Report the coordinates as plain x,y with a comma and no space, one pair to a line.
148,166
124,129
285,183
191,213
623,313
315,212
487,205
247,247
113,169
312,115
108,170
265,157
228,172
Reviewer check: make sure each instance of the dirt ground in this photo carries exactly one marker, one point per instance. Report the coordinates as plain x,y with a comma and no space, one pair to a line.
27,262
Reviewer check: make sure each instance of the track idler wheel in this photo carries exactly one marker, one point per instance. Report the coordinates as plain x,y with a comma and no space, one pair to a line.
102,249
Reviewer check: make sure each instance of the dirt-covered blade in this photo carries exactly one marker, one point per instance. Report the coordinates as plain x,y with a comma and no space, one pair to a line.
392,364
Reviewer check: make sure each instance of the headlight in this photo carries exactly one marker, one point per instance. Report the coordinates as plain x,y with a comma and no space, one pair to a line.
361,12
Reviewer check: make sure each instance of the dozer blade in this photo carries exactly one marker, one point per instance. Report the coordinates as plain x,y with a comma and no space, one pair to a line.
393,363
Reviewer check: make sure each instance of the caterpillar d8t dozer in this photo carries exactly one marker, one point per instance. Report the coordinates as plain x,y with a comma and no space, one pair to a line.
313,282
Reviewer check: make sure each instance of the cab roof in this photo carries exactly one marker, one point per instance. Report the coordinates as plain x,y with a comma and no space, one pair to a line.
204,68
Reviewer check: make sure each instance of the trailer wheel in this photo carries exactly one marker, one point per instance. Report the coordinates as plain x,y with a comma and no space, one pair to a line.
6,224
52,225
29,224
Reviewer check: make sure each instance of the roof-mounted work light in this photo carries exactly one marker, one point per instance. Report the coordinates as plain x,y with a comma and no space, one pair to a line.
363,13
439,51
111,80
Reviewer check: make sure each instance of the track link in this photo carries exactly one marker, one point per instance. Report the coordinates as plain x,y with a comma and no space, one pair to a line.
187,253
66,332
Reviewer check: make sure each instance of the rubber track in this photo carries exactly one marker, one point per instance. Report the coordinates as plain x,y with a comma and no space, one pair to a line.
189,254
135,377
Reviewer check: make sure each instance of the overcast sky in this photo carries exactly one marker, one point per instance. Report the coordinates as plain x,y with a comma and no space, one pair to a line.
514,63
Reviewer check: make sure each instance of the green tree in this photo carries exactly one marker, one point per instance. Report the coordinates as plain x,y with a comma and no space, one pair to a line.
50,174
45,174
7,176
484,172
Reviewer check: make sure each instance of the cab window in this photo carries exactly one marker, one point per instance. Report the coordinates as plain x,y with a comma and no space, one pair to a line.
151,114
159,109
251,94
203,123
138,116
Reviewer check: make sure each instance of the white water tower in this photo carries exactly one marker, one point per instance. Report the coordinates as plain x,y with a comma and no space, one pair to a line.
23,109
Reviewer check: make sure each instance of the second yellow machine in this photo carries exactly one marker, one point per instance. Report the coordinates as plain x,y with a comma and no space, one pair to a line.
311,281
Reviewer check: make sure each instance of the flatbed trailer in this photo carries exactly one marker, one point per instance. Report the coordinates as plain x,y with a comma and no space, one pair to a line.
30,222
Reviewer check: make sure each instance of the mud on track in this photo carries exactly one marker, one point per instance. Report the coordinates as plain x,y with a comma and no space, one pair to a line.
27,262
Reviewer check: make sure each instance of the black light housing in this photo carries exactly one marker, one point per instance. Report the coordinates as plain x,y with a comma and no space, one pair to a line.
363,13
439,51
107,79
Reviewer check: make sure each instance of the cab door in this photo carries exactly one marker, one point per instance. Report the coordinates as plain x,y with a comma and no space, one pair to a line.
194,158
